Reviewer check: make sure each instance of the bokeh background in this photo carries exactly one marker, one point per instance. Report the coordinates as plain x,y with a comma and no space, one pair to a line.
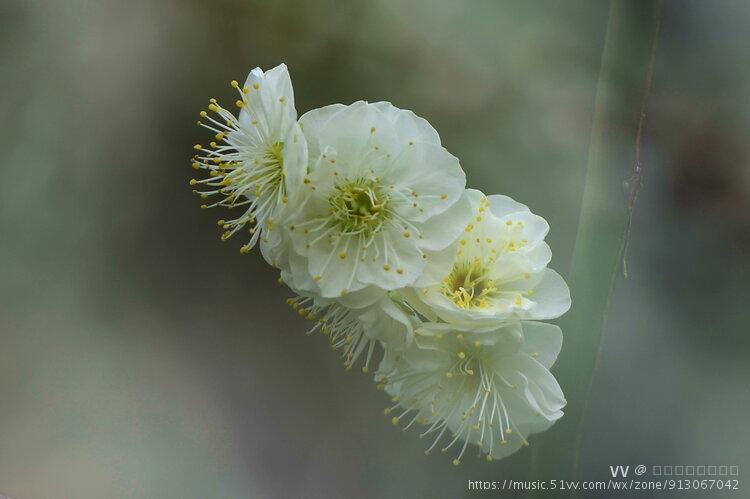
141,357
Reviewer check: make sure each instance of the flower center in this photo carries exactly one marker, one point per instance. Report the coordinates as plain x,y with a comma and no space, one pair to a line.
268,171
469,285
359,206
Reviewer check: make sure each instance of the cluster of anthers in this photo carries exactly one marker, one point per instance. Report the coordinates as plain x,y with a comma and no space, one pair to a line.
436,288
244,167
341,326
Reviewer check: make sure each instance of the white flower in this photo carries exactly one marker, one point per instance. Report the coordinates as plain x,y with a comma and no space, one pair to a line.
356,332
257,159
383,196
498,271
490,389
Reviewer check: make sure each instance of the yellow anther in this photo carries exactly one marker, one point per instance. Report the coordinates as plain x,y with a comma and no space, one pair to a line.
461,355
488,458
282,99
213,107
456,462
477,344
372,129
443,197
234,83
365,369
344,292
204,114
245,249
245,90
220,136
240,103
386,267
256,85
212,101
387,411
394,420
342,255
469,227
399,270
317,278
509,223
449,374
203,206
407,234
193,181
518,300
197,147
220,222
508,431
475,427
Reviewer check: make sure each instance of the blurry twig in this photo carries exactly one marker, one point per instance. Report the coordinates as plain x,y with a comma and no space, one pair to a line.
634,183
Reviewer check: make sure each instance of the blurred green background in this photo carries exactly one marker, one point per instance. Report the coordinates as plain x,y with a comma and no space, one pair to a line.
141,357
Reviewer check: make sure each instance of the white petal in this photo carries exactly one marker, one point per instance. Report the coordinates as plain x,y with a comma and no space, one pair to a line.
295,160
313,121
409,126
542,341
432,173
362,298
362,137
271,103
543,392
439,265
444,228
503,205
552,297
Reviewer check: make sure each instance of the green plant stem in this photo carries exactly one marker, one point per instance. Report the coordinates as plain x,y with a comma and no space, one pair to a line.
613,177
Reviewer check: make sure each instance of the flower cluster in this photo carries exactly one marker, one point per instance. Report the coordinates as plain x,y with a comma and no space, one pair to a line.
368,219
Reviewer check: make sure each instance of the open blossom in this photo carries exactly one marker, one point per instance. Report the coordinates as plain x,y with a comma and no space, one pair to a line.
257,158
490,389
383,197
498,272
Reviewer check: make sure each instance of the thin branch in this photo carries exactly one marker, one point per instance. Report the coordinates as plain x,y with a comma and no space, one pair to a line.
634,183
